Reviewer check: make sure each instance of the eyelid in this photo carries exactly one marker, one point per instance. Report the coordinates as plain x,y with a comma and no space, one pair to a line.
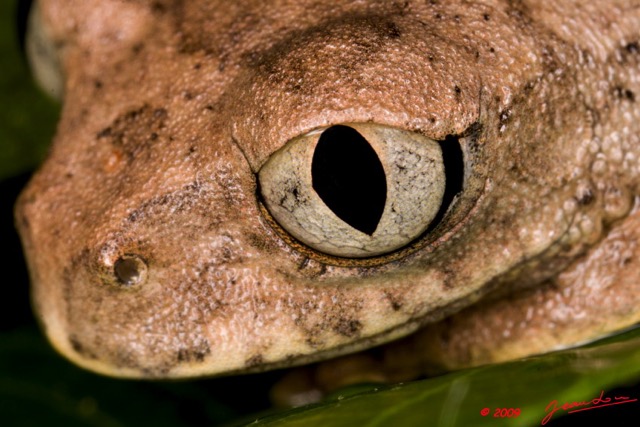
43,55
315,132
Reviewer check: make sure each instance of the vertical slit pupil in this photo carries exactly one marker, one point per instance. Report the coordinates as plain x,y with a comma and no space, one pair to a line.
348,176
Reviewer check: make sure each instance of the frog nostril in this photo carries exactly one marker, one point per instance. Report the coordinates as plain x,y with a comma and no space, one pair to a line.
130,270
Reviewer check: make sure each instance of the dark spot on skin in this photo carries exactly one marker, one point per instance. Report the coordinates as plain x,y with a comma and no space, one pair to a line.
311,268
624,94
79,348
505,118
260,243
187,95
137,48
393,31
458,92
451,278
365,271
593,116
191,42
549,59
447,283
632,48
149,372
123,357
133,216
160,113
396,304
134,130
586,198
75,345
322,271
97,84
473,132
104,133
228,256
253,361
492,50
158,7
486,17
519,11
194,355
303,264
348,327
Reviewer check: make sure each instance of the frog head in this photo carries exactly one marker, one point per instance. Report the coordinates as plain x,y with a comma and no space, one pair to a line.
237,187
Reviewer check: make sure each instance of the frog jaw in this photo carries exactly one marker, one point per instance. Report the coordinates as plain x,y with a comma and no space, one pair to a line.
231,308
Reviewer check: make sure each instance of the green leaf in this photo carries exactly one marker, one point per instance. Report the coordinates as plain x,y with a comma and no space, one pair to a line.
457,399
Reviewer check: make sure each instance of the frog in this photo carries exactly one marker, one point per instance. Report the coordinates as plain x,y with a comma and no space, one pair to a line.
387,187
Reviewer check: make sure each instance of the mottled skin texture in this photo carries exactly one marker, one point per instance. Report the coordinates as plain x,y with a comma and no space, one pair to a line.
171,108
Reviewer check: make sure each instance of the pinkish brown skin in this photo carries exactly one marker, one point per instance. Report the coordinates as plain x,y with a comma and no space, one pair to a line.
171,107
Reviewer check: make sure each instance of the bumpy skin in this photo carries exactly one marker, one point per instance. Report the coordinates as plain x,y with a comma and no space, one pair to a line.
171,107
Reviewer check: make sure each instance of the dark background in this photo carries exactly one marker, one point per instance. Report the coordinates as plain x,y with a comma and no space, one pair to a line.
38,387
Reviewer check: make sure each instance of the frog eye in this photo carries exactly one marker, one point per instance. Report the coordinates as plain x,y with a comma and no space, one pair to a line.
43,55
356,190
